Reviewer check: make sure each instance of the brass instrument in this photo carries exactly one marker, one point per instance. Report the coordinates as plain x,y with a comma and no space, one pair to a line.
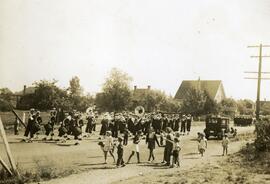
139,111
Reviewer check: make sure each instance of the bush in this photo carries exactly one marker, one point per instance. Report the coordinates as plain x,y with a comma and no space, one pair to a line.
262,142
5,178
5,106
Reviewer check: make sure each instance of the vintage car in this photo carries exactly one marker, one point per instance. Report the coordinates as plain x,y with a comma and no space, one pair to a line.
243,120
216,126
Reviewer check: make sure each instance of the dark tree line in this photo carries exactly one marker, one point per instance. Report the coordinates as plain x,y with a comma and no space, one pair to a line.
48,95
117,95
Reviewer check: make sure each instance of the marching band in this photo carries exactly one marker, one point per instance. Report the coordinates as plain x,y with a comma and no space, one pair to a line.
156,127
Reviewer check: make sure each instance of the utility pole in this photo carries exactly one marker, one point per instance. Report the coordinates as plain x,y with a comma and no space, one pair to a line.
259,78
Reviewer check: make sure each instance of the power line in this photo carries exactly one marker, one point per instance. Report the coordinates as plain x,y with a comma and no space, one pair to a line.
259,78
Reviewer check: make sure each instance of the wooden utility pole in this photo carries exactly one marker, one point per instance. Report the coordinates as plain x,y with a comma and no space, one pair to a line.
20,120
259,78
5,166
10,157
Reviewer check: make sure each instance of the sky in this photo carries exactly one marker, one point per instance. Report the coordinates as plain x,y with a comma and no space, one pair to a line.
157,42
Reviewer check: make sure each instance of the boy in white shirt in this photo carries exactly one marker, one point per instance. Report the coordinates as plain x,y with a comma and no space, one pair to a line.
225,144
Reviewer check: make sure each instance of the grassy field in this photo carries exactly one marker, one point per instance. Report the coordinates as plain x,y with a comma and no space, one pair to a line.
8,118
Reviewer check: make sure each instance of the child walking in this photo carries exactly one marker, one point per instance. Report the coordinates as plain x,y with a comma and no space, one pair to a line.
202,145
107,146
225,144
136,141
175,153
120,153
151,140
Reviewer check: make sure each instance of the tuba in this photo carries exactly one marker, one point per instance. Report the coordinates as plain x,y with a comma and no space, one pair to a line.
139,111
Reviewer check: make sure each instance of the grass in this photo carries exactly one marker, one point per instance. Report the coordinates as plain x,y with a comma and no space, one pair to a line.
8,118
43,172
248,166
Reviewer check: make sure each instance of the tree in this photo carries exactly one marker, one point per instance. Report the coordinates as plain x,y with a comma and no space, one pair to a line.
211,106
198,102
194,102
170,105
245,107
6,94
149,99
153,100
116,91
265,109
228,106
48,95
5,99
75,88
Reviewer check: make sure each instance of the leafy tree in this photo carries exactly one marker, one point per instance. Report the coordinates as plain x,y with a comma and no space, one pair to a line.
170,105
116,91
194,102
154,100
265,109
75,88
245,107
48,95
197,102
5,99
6,94
228,106
211,106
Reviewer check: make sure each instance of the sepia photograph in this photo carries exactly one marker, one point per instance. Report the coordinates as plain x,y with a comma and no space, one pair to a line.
134,91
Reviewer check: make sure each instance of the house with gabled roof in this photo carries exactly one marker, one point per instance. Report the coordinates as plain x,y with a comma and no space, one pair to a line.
214,89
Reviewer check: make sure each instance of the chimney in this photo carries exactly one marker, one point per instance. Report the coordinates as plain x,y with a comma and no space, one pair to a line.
24,89
148,87
135,87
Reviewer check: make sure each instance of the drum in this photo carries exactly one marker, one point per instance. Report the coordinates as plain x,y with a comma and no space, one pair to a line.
36,127
48,127
77,131
62,131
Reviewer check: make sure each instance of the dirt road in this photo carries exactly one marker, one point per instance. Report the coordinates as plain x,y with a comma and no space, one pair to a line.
86,159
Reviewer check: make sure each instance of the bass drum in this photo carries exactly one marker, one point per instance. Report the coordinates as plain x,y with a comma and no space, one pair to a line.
77,131
48,127
36,127
62,131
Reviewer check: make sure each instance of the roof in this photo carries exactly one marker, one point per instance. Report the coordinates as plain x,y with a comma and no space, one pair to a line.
28,90
210,86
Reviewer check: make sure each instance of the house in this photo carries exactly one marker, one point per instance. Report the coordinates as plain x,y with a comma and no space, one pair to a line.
26,91
137,96
214,89
138,91
25,97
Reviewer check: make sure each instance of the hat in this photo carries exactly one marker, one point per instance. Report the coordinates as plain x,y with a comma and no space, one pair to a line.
120,139
109,132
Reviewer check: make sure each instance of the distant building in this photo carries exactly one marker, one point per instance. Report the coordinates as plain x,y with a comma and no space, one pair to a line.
25,97
137,95
138,91
214,89
26,91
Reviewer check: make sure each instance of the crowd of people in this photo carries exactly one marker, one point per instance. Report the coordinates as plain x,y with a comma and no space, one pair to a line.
116,131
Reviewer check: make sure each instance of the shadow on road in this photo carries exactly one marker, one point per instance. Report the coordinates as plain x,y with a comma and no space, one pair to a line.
94,164
190,154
